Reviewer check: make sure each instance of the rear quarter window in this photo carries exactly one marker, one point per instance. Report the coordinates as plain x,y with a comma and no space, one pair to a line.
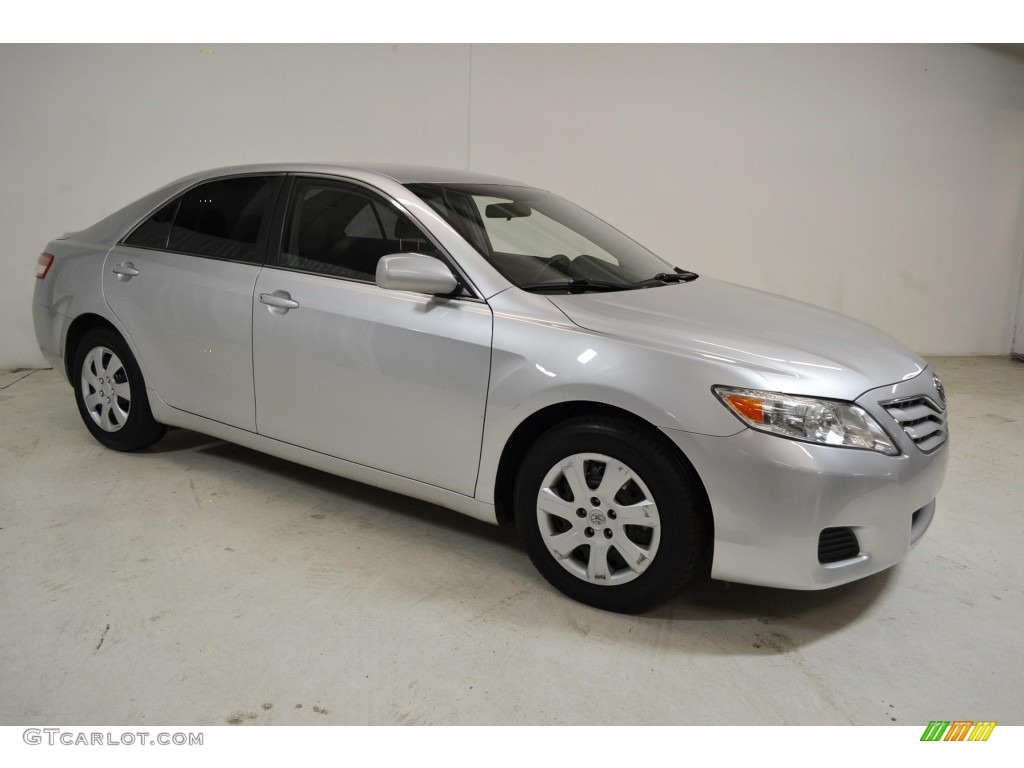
154,231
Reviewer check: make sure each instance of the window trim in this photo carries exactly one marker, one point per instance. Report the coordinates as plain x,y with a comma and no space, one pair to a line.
284,207
263,240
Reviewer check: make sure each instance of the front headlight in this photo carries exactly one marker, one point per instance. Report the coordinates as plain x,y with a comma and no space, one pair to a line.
828,422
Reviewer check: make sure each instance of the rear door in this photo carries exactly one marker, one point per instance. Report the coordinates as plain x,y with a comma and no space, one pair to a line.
387,379
182,284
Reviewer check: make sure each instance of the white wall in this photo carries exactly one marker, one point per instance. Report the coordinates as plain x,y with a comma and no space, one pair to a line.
1018,332
885,182
87,129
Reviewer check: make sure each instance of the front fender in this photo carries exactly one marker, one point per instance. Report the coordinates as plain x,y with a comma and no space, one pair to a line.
537,363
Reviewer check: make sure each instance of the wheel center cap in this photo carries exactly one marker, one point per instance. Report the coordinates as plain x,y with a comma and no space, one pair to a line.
597,519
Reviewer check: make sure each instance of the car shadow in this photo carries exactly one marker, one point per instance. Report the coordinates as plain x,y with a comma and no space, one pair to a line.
712,617
765,619
187,442
706,599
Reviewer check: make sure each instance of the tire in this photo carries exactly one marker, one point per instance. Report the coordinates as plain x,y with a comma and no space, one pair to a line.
574,525
111,393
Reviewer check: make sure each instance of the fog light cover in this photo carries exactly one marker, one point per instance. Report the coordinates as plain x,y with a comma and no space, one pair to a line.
827,422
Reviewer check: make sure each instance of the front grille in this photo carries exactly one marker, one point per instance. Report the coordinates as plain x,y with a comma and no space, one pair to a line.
922,420
835,544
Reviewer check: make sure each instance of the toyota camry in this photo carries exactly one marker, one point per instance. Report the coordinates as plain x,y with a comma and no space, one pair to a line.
490,347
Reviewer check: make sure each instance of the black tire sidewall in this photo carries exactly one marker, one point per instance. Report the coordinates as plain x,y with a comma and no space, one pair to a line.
671,483
140,429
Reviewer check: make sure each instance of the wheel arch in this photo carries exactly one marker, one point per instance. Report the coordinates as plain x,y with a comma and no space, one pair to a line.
539,422
80,326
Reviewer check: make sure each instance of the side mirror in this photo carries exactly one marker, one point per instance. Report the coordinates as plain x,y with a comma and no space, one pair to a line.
415,272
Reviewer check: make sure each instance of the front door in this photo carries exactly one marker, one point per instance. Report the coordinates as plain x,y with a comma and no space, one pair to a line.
392,380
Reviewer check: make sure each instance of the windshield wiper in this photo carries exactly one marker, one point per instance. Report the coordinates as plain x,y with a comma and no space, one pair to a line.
662,278
574,286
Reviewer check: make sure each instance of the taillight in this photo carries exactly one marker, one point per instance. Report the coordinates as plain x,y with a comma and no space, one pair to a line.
43,265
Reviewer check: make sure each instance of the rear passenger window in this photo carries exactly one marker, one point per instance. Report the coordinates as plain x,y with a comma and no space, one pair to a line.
223,219
339,229
154,231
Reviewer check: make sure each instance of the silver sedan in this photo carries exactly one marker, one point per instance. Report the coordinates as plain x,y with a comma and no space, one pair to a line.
490,347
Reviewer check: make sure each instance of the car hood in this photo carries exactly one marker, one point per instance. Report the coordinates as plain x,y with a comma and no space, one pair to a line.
766,340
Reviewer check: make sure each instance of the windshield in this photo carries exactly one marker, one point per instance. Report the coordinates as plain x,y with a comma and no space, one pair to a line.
541,242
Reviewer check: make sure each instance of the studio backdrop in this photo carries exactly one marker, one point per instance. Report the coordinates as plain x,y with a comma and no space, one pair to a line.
886,182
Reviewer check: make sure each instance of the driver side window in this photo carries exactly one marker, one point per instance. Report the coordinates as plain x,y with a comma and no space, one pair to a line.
342,230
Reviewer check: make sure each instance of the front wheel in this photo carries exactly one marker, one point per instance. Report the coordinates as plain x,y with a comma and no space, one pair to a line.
609,514
111,393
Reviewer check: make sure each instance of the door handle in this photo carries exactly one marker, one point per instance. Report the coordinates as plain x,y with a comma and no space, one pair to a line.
125,271
278,301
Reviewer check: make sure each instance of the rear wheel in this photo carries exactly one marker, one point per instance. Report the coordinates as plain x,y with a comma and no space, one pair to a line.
111,393
609,514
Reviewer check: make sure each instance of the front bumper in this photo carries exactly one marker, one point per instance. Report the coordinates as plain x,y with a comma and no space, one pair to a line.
771,498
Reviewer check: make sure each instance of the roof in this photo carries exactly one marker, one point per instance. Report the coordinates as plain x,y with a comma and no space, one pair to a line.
402,173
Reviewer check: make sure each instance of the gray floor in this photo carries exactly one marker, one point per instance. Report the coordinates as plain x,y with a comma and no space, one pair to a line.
202,583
